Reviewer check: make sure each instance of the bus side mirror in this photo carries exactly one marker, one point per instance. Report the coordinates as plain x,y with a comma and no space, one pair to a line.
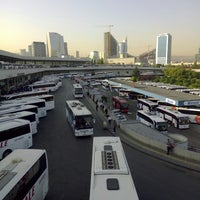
94,120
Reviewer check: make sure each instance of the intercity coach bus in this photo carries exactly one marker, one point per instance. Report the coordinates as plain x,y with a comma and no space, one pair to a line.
174,117
110,174
77,90
79,118
152,120
24,175
27,115
15,134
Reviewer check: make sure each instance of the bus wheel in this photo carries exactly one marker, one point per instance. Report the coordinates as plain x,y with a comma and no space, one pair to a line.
7,152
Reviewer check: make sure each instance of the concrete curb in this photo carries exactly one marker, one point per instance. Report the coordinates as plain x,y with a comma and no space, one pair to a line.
157,153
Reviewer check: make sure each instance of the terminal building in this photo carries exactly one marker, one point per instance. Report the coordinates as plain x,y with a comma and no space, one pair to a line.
173,97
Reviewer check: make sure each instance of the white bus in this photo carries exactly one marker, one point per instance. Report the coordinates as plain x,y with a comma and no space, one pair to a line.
44,85
152,120
24,175
77,90
40,103
174,117
50,102
24,94
15,134
27,115
19,108
79,117
193,114
147,105
110,174
49,98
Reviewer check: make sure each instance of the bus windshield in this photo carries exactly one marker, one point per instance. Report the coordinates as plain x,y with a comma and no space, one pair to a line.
184,120
84,122
124,105
78,91
162,126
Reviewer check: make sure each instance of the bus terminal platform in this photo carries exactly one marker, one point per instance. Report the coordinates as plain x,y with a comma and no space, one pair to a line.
127,138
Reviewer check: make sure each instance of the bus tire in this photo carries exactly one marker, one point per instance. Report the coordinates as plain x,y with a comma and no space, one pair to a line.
7,152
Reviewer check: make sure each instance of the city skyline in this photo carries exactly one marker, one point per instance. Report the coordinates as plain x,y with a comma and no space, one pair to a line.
83,24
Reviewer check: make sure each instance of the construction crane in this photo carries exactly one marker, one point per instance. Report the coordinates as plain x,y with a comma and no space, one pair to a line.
108,26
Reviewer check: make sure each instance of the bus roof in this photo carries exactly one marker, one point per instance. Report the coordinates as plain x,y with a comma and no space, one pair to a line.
24,94
15,108
78,108
13,123
15,165
11,116
77,85
28,100
110,181
172,111
119,99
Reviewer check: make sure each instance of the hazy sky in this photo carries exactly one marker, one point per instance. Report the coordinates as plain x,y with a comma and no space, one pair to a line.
83,23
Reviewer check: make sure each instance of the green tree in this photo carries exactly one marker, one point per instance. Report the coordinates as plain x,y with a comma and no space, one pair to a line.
136,74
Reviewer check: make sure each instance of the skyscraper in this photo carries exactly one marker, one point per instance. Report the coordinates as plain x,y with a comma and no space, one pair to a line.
38,49
110,46
122,49
163,48
55,45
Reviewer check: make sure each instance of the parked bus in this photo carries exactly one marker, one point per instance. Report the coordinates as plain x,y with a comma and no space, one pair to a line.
40,103
77,90
105,84
120,103
24,175
79,117
14,134
147,105
44,85
20,108
176,118
152,120
192,113
49,99
24,94
110,174
27,115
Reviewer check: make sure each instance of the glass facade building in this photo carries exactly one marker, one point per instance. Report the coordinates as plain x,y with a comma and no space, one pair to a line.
55,45
122,49
163,49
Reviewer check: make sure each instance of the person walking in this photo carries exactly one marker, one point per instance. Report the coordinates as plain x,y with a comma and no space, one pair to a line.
109,119
170,146
114,127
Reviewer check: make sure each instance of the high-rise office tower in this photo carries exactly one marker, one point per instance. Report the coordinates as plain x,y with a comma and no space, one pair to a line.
163,48
55,45
110,46
66,48
122,49
30,50
38,49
